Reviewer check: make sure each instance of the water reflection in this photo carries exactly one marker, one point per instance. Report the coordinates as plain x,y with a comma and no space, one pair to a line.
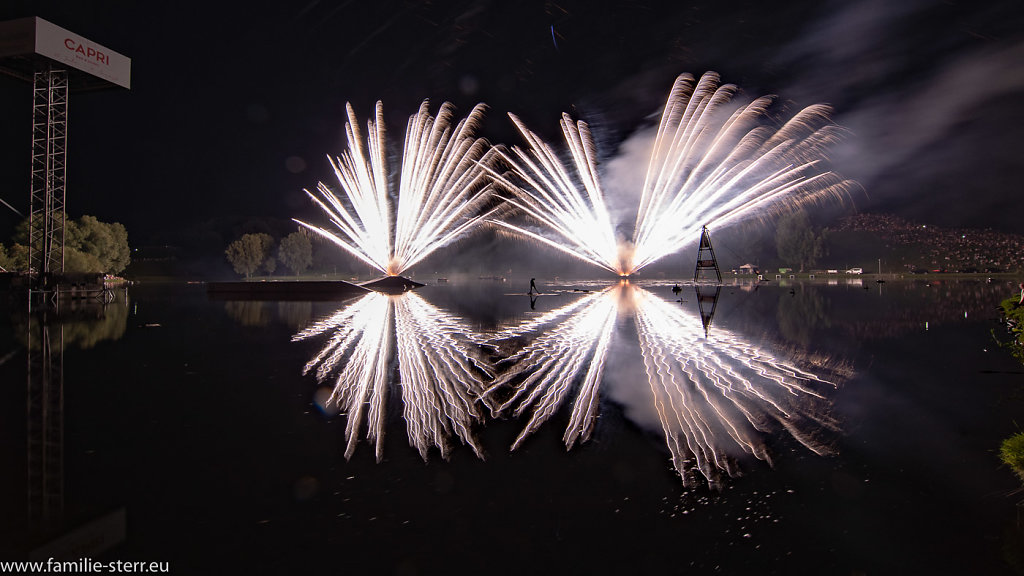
260,313
82,323
718,391
715,393
46,331
801,313
440,370
810,311
45,345
569,344
707,302
907,307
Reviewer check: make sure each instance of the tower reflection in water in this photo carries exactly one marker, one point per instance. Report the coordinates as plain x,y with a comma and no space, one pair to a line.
441,372
715,395
49,328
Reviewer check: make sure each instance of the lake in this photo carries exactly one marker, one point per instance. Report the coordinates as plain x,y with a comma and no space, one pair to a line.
832,427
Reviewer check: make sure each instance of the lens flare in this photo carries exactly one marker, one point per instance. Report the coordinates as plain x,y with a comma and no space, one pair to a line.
707,168
715,395
440,377
441,191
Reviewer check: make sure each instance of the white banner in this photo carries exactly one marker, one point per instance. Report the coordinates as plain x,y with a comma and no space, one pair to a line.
81,53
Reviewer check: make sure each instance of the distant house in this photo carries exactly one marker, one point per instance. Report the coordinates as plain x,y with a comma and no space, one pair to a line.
748,269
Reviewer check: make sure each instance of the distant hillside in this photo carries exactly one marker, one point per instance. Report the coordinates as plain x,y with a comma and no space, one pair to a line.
905,246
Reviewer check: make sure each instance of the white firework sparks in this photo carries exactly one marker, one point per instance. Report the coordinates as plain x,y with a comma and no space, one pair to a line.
706,168
712,394
440,378
441,190
550,365
579,218
717,391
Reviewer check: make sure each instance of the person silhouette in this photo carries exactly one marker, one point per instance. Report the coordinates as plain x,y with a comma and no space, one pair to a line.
533,286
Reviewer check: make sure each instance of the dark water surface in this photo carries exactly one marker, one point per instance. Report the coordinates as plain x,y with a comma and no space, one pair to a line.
181,429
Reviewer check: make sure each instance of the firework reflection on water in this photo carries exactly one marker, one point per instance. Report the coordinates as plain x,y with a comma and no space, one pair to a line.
715,395
440,373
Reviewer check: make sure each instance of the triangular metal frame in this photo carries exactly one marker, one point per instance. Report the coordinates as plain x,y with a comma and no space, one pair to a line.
706,257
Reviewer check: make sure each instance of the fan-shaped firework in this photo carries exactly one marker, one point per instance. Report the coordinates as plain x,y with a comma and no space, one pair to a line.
707,167
441,190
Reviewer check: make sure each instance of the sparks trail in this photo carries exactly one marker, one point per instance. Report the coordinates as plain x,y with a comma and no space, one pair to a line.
718,392
715,395
706,168
544,372
441,191
441,378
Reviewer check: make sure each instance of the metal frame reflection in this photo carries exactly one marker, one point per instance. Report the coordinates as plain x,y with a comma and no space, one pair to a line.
79,321
45,396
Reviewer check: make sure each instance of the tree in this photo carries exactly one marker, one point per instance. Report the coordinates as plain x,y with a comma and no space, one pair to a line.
90,246
250,253
797,242
76,261
296,252
102,247
270,263
17,258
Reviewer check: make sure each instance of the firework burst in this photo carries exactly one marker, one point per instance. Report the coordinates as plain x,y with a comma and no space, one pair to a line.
441,191
707,167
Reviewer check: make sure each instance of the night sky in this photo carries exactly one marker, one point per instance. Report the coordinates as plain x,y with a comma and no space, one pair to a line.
234,105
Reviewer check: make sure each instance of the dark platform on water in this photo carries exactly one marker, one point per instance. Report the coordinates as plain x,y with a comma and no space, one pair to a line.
284,290
392,285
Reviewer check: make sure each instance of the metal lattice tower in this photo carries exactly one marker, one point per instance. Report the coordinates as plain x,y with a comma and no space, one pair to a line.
49,173
56,62
706,257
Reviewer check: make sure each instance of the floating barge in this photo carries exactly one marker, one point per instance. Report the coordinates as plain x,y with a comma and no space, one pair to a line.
392,284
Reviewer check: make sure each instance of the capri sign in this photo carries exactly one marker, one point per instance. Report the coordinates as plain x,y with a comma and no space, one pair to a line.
35,36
